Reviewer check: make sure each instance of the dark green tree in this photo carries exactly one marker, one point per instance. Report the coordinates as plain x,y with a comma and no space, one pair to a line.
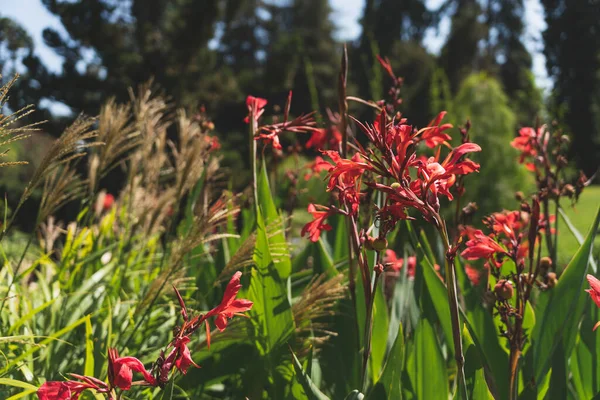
395,29
304,55
514,69
461,54
110,46
572,49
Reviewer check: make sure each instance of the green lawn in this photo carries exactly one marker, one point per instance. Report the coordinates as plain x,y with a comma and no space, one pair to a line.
581,216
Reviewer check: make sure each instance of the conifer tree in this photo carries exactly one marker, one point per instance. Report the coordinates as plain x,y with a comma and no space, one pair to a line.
572,49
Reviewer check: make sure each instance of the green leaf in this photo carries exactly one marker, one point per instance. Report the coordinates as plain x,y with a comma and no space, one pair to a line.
485,336
562,308
269,293
434,296
585,359
283,264
474,373
389,384
44,342
438,296
22,394
16,383
89,348
426,366
167,392
355,395
310,389
379,334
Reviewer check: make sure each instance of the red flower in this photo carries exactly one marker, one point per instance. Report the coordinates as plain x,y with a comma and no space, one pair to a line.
434,135
320,138
109,200
213,142
317,225
256,107
345,172
273,137
396,264
481,246
594,292
70,390
473,274
120,370
184,358
385,63
526,143
58,391
229,306
317,167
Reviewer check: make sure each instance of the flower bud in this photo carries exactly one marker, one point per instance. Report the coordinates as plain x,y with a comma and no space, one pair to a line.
568,190
369,243
545,264
378,268
519,196
551,280
380,244
503,289
395,185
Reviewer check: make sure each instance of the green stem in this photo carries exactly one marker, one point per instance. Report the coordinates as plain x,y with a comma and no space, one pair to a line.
454,312
253,127
369,331
16,272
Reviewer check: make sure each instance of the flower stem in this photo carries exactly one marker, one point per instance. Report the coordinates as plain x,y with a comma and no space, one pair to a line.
253,127
454,312
369,331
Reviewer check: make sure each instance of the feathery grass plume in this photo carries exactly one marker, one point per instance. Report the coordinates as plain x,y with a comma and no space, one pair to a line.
49,233
200,233
244,256
190,154
9,130
317,301
68,147
60,187
119,135
151,119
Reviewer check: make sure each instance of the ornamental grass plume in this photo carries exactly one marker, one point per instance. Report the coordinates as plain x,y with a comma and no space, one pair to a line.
10,129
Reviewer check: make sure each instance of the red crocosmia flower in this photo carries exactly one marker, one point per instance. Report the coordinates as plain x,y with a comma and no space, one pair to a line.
184,358
272,137
526,144
317,167
70,390
230,306
109,200
317,225
396,263
321,138
57,391
213,142
120,370
434,134
594,292
345,172
385,63
473,274
482,246
255,106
